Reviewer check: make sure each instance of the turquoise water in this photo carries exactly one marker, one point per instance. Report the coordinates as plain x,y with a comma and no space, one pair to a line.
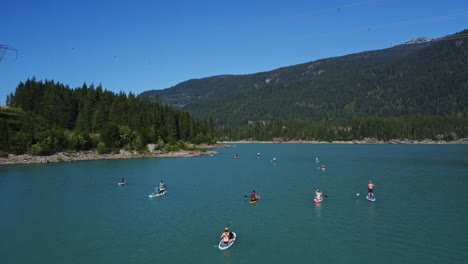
76,212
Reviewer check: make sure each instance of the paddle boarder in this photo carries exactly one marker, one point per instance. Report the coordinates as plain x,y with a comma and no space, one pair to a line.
254,196
227,236
162,187
370,190
318,195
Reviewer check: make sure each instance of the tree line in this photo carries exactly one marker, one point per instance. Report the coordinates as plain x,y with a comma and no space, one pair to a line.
415,128
45,117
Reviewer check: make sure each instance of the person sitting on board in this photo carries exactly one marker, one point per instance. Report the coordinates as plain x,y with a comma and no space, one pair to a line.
156,190
254,196
370,190
227,236
274,160
122,180
258,155
318,195
161,187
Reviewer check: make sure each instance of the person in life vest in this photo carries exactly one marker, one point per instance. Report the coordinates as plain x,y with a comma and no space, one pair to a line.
370,190
254,196
227,236
318,195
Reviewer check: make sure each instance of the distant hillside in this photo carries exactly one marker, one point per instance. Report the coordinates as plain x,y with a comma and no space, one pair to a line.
418,78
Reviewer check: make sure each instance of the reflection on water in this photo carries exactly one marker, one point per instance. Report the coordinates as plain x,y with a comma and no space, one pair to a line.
227,256
318,209
371,210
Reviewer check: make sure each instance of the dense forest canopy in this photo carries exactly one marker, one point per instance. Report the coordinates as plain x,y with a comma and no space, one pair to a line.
426,79
42,118
411,91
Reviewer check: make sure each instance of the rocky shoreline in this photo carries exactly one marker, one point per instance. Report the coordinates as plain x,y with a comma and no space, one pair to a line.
364,141
200,150
93,155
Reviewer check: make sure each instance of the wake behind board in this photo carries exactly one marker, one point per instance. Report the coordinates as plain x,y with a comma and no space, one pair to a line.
223,246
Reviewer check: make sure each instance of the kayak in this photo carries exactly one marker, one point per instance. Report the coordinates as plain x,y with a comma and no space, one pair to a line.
317,201
157,194
121,183
224,246
370,199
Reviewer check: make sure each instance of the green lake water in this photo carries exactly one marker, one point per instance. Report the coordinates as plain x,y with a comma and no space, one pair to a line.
76,213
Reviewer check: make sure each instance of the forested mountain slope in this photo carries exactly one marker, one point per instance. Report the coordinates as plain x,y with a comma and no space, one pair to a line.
406,80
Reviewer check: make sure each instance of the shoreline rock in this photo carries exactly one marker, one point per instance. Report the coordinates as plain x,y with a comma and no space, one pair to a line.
93,155
123,154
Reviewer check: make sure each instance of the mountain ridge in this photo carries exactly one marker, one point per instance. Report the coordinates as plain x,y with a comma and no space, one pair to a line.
398,81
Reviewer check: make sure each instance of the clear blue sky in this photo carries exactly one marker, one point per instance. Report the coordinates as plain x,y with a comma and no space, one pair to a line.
135,46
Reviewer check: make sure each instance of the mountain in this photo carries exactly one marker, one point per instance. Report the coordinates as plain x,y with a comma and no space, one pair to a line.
418,78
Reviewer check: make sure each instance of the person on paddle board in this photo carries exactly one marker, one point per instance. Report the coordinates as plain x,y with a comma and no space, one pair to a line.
370,189
122,180
162,187
318,195
254,196
227,236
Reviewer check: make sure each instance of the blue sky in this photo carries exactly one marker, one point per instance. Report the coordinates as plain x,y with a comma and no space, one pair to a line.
135,46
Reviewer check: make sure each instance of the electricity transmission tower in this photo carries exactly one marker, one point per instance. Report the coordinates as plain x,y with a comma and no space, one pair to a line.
3,50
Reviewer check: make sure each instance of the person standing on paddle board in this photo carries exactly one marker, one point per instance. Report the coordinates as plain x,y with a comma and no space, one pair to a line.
370,189
227,236
254,196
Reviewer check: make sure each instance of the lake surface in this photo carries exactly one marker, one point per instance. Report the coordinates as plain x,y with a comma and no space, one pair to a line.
76,212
